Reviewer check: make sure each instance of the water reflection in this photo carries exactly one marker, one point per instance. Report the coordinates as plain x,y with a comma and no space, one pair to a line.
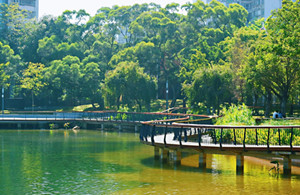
97,162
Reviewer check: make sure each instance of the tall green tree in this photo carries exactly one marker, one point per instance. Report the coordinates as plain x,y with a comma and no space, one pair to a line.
33,79
210,88
237,50
277,55
91,83
128,85
63,77
284,30
14,24
11,66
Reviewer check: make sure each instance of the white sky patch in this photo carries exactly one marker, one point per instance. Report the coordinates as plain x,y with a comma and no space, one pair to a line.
57,7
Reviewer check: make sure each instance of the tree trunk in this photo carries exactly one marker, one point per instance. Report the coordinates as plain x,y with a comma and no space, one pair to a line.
140,105
32,101
292,108
174,97
148,107
268,104
184,104
255,104
283,104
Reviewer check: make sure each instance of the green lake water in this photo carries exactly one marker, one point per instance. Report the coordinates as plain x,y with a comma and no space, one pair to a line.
99,162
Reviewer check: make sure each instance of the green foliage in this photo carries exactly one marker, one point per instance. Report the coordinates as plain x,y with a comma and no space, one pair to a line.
32,78
128,85
281,122
52,126
275,62
241,115
209,56
3,75
124,116
123,109
236,115
11,66
67,125
210,88
13,25
121,116
118,117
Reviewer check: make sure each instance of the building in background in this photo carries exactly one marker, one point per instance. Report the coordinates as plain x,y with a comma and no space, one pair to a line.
31,5
255,8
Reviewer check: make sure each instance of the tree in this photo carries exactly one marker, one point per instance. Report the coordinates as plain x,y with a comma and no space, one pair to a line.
237,50
277,55
210,88
11,66
128,85
14,21
33,79
3,75
64,79
284,29
91,80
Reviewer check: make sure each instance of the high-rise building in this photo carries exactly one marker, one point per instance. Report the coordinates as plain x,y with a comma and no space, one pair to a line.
255,8
31,5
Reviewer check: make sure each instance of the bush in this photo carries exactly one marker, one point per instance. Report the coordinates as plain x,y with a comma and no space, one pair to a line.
236,115
241,115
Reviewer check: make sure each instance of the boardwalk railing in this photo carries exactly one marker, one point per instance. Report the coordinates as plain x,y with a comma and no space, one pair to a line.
171,137
98,116
259,138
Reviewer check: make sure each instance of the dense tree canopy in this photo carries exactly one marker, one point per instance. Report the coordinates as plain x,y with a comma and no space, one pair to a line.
128,85
124,55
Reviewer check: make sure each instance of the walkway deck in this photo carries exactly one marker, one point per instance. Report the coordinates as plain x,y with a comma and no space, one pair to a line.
274,141
250,150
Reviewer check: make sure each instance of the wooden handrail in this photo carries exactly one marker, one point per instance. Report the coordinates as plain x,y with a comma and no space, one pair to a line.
186,131
233,126
161,121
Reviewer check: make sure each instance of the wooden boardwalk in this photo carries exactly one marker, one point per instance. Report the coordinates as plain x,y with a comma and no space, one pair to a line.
230,149
171,137
97,119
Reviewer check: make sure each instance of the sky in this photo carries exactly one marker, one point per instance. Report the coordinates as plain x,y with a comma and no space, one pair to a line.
56,7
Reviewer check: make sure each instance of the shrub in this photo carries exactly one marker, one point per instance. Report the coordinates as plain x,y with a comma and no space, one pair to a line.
241,115
236,115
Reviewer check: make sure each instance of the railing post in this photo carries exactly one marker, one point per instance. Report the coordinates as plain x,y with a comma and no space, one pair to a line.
279,140
146,132
152,135
234,142
244,141
199,137
180,134
215,135
221,138
256,137
165,135
291,140
185,135
268,140
141,132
